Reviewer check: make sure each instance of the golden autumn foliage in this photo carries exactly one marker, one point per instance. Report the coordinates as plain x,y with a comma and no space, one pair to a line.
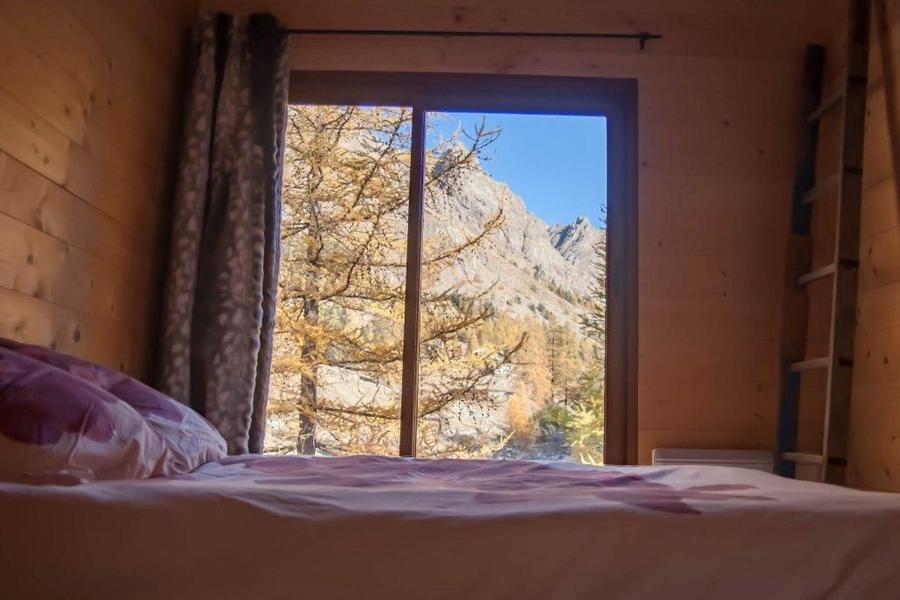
339,333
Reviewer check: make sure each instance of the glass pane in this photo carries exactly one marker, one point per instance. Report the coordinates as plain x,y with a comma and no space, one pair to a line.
339,334
513,307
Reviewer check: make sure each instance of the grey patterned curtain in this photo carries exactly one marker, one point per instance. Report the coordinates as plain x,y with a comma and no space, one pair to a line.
216,341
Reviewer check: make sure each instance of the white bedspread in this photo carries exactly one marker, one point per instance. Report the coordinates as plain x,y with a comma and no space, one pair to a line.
369,527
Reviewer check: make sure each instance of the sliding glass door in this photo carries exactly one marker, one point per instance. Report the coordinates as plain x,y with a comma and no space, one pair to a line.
443,288
512,309
338,360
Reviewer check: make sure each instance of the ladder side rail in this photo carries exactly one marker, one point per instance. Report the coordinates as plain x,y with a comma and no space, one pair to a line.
798,261
845,281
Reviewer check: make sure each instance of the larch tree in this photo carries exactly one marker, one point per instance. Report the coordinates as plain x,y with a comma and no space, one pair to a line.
341,297
562,362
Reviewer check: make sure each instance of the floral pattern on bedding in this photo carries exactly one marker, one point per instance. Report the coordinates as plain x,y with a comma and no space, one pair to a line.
47,419
65,420
58,429
478,482
142,398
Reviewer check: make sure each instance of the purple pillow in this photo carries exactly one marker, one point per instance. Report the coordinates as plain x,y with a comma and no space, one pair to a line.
187,438
56,428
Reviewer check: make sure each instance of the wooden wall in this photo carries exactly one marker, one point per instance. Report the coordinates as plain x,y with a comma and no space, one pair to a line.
88,93
719,101
874,452
87,124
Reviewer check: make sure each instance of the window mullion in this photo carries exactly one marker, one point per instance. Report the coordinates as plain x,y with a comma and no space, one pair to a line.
409,394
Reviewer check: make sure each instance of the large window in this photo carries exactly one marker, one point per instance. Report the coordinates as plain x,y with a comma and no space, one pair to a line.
444,282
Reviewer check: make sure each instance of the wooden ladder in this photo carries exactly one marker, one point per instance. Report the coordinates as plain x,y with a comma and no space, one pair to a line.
831,459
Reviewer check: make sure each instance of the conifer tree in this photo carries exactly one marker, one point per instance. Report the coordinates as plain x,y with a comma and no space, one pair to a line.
340,316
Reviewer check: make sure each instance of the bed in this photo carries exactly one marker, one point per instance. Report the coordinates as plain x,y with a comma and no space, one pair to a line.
379,527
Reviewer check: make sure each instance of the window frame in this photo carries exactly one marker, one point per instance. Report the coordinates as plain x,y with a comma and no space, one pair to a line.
615,99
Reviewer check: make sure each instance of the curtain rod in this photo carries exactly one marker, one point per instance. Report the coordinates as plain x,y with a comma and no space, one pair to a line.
643,37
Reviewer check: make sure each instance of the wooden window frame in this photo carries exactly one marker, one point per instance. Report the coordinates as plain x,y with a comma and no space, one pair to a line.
615,99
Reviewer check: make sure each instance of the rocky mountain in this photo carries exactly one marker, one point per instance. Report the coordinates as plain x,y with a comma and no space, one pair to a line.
576,241
526,268
533,267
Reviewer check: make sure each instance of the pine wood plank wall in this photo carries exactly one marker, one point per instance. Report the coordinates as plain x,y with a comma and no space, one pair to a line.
88,93
874,451
719,97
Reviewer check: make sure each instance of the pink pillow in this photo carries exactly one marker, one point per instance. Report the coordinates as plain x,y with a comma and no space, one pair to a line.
187,439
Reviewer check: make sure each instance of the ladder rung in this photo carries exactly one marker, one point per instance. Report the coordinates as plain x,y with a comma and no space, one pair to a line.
825,107
813,363
821,187
805,458
816,274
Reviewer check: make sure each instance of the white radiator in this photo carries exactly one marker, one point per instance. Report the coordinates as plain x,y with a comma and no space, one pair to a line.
761,460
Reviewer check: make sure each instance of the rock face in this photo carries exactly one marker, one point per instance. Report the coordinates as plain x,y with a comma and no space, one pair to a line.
533,267
576,241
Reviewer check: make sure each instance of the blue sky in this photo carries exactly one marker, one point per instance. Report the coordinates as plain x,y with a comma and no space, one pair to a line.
557,164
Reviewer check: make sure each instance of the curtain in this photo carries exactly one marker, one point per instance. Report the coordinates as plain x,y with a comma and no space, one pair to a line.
219,305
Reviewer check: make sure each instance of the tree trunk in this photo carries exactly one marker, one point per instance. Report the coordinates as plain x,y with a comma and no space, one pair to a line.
306,436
